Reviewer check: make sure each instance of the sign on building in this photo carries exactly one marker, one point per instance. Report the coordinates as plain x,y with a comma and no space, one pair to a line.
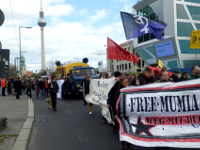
195,39
100,65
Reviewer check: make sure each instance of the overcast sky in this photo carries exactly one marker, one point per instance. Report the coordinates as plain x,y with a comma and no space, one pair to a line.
75,28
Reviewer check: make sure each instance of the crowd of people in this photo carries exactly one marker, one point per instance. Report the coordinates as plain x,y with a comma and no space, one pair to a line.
49,87
125,80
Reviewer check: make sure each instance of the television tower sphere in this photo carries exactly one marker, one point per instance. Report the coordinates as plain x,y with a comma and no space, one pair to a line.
42,21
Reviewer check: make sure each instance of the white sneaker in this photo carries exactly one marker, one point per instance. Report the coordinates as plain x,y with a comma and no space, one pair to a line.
90,113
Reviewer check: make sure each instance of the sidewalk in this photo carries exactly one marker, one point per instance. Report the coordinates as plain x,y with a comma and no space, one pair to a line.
16,111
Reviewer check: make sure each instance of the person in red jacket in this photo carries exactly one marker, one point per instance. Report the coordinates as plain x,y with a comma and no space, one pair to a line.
3,85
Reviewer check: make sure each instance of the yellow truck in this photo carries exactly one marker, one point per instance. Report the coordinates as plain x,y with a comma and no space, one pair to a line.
75,72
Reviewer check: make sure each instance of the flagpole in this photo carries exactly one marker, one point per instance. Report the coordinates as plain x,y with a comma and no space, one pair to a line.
196,58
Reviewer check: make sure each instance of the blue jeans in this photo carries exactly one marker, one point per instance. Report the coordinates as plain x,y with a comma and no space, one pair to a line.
18,95
42,92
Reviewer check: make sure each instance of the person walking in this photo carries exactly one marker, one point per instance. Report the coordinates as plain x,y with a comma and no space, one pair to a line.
86,91
174,77
18,88
3,86
8,85
147,77
42,86
65,89
0,86
183,77
195,73
46,87
53,86
111,99
164,77
28,87
123,83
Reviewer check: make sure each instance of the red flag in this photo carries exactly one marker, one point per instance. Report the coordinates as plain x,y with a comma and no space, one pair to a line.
115,51
159,70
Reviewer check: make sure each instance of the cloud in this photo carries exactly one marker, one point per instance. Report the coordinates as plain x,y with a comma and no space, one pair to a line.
83,11
64,40
100,14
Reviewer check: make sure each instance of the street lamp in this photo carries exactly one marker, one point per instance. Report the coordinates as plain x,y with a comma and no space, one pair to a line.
27,27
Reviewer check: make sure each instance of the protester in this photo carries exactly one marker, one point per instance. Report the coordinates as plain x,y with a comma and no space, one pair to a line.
8,86
165,68
111,99
46,87
86,90
42,86
18,88
3,86
65,88
147,77
123,83
53,91
157,74
183,77
0,86
195,73
28,87
174,77
23,86
164,77
107,76
37,88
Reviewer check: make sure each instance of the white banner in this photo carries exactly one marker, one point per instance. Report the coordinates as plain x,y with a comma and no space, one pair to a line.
59,94
161,115
98,95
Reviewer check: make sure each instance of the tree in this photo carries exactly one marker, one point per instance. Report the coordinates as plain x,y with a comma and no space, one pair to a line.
12,70
51,66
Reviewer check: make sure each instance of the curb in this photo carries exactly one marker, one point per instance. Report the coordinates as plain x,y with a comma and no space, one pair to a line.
25,132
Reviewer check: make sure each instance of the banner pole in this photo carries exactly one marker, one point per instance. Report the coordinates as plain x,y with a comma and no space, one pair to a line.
196,57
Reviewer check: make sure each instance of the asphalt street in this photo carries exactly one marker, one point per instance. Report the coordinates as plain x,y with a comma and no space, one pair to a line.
72,128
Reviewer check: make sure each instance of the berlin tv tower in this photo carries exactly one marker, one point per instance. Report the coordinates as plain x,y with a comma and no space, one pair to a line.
42,23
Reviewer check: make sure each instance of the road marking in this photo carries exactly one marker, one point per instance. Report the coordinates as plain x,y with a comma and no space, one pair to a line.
81,135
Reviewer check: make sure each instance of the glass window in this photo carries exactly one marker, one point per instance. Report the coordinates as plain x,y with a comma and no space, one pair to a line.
81,72
129,65
122,66
125,66
198,26
181,14
194,12
193,1
184,46
184,29
117,68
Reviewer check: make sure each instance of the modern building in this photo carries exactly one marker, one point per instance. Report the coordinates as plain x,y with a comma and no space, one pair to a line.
4,63
181,16
23,65
126,66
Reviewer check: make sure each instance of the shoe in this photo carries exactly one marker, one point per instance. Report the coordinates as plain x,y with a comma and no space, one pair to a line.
90,113
54,109
121,146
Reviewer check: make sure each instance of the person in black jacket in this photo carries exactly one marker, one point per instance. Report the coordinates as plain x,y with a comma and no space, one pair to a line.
123,83
42,87
111,99
17,85
86,90
65,88
147,77
174,77
183,77
53,91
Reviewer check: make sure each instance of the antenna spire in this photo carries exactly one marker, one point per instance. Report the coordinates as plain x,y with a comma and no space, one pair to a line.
41,4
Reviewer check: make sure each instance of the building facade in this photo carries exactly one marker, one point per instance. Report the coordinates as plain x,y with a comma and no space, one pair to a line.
126,66
181,17
23,65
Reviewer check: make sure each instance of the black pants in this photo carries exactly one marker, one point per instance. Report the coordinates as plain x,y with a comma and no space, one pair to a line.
3,91
46,92
18,95
28,92
53,99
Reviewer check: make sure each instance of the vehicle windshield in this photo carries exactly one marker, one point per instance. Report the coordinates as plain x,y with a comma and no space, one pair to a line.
82,72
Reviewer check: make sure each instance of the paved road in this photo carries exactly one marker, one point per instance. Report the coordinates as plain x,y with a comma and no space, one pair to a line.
71,128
